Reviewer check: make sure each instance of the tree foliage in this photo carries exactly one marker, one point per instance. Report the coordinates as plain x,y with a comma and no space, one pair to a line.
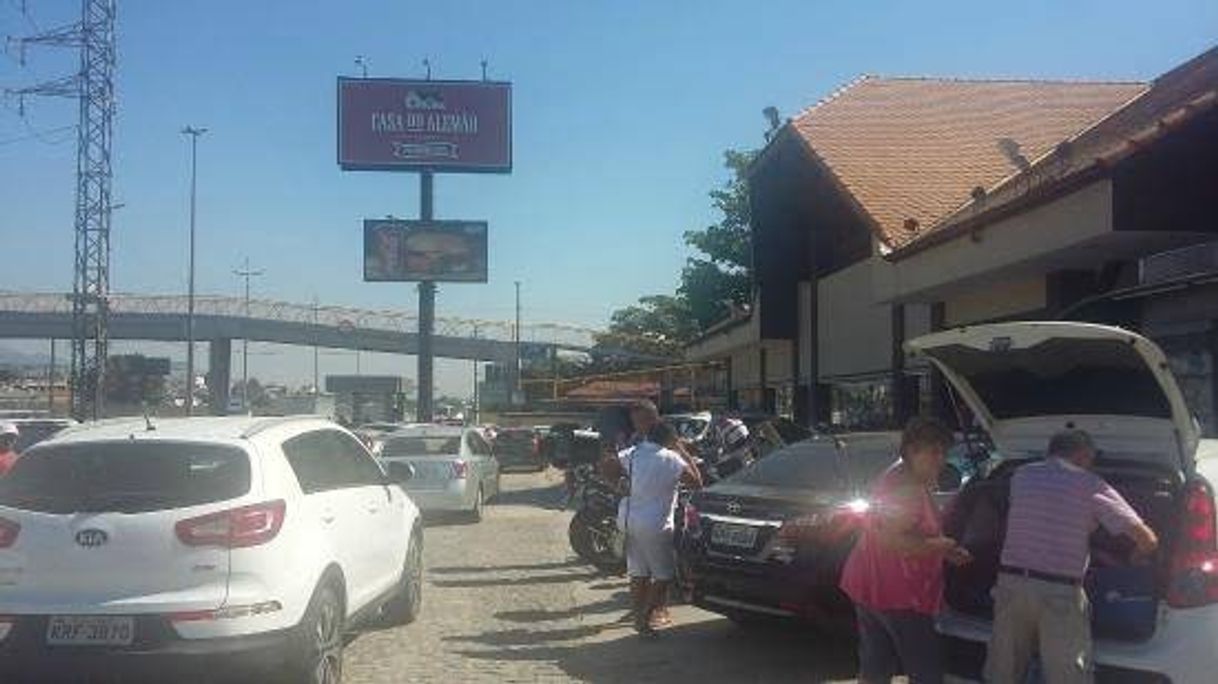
714,280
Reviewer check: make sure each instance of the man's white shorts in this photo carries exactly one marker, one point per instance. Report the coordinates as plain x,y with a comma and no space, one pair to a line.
650,553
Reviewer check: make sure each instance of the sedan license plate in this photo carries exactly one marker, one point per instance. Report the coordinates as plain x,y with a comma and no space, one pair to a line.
739,536
90,630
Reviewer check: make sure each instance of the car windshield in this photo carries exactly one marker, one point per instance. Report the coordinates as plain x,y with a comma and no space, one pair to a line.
422,446
124,477
813,465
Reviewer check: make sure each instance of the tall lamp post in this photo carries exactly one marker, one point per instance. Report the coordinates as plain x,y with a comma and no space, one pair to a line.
247,273
517,390
194,133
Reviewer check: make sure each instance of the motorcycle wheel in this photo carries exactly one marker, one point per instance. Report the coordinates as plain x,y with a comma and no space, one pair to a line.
608,552
580,538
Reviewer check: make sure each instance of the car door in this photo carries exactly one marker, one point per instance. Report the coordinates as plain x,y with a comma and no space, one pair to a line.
480,453
378,511
326,499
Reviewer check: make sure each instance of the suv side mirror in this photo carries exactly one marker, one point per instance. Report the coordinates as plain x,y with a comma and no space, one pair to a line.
400,472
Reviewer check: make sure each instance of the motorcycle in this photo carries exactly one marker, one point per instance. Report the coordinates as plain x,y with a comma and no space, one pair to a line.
593,532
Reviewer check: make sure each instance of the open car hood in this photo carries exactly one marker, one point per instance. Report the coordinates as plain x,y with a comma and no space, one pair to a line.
1025,381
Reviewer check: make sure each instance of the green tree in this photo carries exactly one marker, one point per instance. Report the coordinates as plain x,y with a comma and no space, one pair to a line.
721,274
718,277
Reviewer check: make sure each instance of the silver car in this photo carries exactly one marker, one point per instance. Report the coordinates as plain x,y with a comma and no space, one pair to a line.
448,469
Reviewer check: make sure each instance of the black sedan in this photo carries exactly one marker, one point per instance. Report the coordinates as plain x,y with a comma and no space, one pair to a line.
518,448
771,540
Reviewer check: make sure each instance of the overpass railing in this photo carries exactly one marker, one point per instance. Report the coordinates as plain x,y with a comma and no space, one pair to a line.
337,316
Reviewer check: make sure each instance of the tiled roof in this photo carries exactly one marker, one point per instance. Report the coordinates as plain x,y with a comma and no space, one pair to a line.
911,150
1171,100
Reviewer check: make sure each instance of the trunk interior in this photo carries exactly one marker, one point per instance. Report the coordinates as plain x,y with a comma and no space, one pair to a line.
1124,596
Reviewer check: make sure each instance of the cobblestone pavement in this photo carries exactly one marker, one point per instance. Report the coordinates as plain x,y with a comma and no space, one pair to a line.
506,601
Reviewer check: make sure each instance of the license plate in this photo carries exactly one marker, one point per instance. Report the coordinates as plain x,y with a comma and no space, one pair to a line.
739,536
90,630
432,471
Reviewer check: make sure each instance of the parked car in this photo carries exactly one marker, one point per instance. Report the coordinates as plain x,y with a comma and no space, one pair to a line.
1026,381
443,468
197,544
31,431
770,541
518,448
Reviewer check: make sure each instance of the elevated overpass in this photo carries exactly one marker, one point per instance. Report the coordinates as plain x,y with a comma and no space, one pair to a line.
219,320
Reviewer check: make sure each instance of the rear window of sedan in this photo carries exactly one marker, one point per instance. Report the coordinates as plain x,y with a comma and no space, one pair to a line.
124,477
819,464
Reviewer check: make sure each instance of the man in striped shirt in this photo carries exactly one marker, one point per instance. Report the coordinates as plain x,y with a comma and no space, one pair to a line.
1039,602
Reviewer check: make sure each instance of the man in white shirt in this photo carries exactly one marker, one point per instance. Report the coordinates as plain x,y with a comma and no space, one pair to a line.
646,515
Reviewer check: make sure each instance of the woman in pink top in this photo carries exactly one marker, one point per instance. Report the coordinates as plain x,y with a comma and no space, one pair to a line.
894,575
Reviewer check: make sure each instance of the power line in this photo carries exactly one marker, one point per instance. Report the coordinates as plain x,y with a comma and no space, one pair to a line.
40,136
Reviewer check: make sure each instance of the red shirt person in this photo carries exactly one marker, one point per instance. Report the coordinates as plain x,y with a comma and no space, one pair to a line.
8,442
894,575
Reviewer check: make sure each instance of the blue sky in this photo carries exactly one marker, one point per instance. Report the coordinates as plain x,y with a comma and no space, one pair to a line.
622,110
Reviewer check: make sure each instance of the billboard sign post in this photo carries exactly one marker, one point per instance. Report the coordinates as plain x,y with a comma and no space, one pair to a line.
427,127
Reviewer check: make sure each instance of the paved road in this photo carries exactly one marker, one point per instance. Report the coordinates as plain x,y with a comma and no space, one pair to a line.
505,601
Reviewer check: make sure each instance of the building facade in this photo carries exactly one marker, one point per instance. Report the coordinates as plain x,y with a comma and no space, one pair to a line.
896,207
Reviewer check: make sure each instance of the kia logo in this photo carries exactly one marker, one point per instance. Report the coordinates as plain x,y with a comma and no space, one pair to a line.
92,538
734,507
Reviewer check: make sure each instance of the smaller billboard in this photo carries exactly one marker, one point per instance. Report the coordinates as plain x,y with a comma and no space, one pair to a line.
398,250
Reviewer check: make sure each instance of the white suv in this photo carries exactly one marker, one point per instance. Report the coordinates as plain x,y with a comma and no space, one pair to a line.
260,540
1023,382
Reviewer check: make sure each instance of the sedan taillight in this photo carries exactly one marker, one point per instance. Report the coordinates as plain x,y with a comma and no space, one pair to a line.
460,470
8,532
235,528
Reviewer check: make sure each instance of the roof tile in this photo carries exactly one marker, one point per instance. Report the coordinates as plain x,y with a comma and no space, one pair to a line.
915,148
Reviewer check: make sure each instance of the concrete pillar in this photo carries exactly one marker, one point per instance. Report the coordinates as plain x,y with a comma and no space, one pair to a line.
219,374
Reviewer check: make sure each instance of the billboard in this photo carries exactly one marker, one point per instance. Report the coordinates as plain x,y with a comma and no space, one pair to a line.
387,124
442,251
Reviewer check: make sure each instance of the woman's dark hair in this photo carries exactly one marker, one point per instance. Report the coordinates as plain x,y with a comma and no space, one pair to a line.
923,433
662,434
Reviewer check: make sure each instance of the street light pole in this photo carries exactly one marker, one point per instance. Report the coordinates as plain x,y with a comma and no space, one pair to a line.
194,134
247,273
516,335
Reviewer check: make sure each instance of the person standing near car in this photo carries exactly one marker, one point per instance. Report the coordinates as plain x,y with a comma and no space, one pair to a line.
1039,602
8,443
646,513
894,574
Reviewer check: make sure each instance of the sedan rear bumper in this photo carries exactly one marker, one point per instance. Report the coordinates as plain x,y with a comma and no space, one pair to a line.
455,496
771,590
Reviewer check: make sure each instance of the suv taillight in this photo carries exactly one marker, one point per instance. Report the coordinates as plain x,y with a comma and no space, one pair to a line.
235,528
8,533
1193,579
460,470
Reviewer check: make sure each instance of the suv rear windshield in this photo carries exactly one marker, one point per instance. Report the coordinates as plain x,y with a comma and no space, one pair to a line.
124,477
422,446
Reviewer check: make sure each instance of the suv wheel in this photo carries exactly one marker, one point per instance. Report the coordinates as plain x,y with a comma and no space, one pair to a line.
475,513
405,605
318,653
